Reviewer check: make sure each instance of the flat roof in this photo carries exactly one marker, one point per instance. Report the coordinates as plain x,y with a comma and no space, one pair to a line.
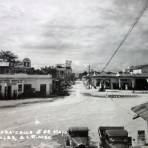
24,76
144,75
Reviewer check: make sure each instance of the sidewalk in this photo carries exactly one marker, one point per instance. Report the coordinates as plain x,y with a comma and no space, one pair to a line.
15,103
111,93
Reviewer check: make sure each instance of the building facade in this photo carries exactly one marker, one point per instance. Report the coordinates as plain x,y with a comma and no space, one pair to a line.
118,81
64,71
139,69
23,85
23,66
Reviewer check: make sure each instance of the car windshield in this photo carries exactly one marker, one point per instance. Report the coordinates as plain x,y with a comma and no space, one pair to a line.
118,139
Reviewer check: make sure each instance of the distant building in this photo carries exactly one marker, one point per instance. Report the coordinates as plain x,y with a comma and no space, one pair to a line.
17,67
118,81
64,71
139,69
27,63
64,77
22,66
61,69
23,85
4,66
68,63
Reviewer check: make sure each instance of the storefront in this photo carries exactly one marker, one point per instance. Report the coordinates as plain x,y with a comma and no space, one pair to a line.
23,85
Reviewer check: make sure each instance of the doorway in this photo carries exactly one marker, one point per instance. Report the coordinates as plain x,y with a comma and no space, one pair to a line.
28,90
43,90
8,92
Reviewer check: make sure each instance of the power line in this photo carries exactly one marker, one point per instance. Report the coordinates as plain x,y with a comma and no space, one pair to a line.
126,35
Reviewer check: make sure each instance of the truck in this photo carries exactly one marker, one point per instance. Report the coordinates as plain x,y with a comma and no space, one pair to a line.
114,137
77,137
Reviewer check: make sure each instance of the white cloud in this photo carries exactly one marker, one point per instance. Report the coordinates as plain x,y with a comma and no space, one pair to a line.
85,31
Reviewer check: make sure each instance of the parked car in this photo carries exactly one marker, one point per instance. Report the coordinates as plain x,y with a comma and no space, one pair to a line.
114,137
77,137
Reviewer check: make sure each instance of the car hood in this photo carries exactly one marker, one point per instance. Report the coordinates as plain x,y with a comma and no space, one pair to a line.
80,140
118,145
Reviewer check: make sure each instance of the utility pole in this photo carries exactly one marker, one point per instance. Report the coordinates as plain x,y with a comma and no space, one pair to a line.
89,76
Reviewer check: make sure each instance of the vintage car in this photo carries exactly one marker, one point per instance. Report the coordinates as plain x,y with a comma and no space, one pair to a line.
114,137
77,137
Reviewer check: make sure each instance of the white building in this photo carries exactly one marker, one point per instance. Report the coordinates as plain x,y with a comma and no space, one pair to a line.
139,69
17,85
4,66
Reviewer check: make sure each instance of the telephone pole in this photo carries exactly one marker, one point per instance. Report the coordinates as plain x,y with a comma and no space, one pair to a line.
89,79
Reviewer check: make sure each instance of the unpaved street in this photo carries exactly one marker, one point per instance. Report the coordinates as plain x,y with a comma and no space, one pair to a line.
78,109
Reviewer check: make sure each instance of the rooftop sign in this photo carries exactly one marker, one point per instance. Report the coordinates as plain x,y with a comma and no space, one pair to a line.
4,64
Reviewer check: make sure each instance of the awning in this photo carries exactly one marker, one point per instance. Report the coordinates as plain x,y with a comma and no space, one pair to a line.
141,111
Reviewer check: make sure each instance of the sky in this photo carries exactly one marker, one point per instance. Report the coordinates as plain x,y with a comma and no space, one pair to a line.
84,31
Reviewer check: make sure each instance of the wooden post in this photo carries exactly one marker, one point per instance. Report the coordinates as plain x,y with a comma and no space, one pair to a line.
133,85
111,83
119,83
